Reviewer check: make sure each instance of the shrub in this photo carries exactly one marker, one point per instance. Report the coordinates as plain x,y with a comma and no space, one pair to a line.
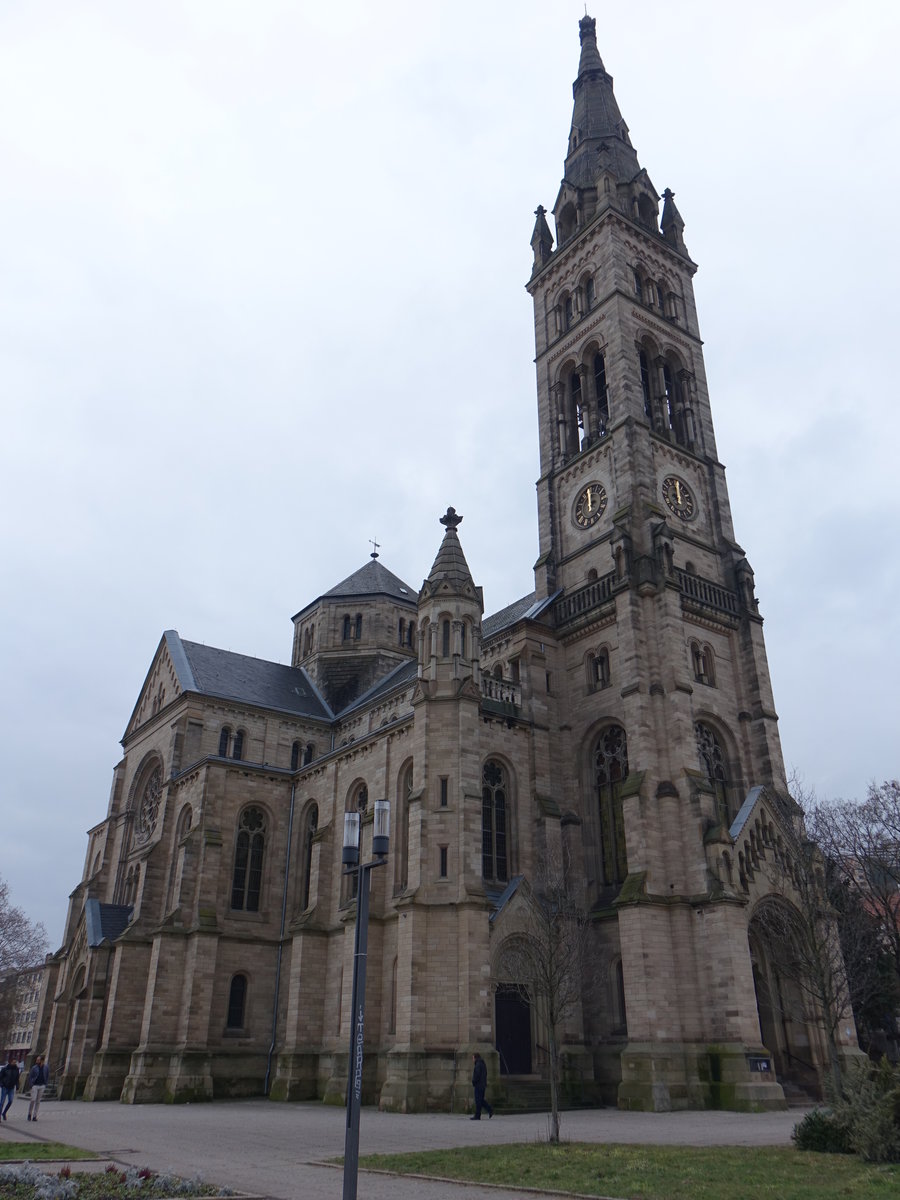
822,1132
869,1110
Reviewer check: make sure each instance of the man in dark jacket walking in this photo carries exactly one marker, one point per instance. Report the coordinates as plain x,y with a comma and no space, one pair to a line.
479,1083
9,1081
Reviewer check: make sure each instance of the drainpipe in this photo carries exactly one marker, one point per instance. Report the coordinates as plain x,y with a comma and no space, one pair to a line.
287,872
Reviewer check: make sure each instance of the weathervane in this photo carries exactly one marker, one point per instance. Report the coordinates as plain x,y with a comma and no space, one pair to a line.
375,544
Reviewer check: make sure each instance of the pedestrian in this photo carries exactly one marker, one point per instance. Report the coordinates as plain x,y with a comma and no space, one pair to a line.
9,1081
38,1077
479,1083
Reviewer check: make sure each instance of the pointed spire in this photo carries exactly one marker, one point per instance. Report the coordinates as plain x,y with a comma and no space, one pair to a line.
597,124
542,238
672,225
450,565
590,55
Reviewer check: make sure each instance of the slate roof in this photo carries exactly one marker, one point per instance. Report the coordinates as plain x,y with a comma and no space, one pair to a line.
105,922
450,564
404,674
374,580
249,680
526,607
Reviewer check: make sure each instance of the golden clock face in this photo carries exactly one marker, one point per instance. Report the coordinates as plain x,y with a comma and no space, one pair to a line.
590,505
679,497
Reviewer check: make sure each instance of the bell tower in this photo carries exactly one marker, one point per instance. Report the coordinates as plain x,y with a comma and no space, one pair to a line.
667,709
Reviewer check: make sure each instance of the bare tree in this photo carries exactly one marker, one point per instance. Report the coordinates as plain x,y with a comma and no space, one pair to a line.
861,844
544,956
22,944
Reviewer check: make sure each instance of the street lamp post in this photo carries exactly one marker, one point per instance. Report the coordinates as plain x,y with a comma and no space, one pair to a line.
352,866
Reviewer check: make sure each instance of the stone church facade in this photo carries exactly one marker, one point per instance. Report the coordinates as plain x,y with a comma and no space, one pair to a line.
619,717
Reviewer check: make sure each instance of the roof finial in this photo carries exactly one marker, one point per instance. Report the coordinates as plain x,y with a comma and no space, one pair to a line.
375,544
451,518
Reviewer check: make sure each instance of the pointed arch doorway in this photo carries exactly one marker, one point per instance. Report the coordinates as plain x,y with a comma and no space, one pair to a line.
512,1023
784,1021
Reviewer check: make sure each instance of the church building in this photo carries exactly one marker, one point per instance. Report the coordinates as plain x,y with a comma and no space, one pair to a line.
618,718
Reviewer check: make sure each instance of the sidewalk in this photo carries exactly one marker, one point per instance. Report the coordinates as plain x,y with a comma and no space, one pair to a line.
279,1150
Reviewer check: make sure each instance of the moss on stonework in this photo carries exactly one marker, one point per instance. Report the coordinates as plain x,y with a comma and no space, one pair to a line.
634,888
632,784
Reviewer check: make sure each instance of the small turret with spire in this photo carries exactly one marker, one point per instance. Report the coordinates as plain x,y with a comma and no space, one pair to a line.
450,609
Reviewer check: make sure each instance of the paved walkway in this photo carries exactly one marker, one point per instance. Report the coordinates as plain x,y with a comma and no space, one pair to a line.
279,1150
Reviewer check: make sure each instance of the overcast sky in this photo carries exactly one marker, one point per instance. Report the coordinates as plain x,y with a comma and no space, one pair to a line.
262,300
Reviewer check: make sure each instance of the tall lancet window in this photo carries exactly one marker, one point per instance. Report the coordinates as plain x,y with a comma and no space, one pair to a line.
645,388
246,880
714,762
611,769
494,821
602,394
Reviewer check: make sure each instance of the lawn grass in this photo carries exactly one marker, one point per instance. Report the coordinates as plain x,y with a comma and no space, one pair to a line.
656,1172
41,1151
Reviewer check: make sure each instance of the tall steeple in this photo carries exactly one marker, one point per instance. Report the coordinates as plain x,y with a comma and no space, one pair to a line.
598,136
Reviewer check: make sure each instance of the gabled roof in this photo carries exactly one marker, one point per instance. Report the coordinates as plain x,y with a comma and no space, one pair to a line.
239,677
501,899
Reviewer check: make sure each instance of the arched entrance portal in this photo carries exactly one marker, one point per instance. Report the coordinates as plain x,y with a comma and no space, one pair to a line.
785,1026
512,1013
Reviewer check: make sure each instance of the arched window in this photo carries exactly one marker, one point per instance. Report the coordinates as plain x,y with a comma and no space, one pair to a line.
611,768
309,835
674,402
295,756
237,1002
392,1012
132,883
590,292
445,639
645,388
357,801
224,740
347,627
185,818
566,222
494,821
638,286
598,670
714,762
358,627
308,753
703,663
401,851
410,633
576,410
568,312
620,1020
238,750
148,803
246,881
602,393
462,639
